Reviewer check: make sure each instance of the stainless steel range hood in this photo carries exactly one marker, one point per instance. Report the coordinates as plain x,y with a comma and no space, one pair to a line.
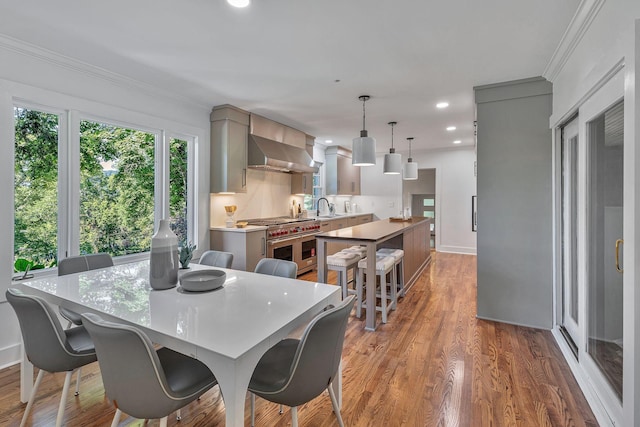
268,150
272,155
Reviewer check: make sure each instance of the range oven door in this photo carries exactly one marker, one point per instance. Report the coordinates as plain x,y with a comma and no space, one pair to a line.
306,258
282,249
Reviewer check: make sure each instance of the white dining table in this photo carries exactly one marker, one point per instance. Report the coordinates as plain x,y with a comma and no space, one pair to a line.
228,329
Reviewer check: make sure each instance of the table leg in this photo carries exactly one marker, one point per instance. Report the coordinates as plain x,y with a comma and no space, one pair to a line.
26,376
370,288
233,379
322,260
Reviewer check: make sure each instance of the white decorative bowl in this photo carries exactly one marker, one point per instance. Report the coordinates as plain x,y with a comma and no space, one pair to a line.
202,280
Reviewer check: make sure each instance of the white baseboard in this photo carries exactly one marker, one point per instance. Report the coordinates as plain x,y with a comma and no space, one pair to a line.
9,356
594,402
457,249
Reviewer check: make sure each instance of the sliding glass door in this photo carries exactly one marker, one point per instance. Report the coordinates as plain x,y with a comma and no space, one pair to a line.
604,251
589,224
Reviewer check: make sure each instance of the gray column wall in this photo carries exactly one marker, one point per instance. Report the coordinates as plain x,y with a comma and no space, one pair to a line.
514,179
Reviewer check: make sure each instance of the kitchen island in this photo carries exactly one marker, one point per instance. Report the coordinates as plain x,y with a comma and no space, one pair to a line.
411,235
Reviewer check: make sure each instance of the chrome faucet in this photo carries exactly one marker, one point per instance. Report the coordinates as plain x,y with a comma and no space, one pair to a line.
318,205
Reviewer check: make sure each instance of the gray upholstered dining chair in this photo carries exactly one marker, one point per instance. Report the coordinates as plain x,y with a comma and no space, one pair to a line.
293,371
77,264
48,346
217,259
139,380
277,267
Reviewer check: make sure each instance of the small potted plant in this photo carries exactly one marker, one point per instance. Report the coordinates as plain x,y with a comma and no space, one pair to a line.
186,253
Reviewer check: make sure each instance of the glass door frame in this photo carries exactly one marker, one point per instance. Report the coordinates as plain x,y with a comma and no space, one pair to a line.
568,252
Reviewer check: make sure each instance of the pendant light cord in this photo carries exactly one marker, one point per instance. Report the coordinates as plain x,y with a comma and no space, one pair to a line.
363,115
392,135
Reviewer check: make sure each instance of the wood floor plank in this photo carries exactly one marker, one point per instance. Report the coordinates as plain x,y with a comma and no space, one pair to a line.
432,364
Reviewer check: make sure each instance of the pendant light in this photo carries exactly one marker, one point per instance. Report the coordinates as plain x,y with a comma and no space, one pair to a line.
364,148
392,161
410,171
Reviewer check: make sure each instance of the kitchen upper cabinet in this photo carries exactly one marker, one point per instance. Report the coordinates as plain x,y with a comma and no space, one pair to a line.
229,134
302,183
342,178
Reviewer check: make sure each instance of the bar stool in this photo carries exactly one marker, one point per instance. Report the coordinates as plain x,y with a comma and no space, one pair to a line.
384,266
360,250
398,255
342,262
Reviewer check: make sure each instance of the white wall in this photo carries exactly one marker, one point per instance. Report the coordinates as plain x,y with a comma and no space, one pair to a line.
612,39
35,75
455,184
268,195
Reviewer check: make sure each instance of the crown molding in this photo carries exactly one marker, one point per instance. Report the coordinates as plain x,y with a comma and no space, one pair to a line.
74,65
580,23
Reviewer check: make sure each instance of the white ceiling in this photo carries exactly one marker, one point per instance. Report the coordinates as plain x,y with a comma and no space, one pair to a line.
304,63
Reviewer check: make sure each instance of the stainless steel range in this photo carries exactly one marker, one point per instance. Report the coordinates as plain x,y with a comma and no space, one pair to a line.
291,239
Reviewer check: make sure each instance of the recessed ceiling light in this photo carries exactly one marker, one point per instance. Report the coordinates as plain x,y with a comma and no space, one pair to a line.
239,3
328,141
442,104
451,128
457,141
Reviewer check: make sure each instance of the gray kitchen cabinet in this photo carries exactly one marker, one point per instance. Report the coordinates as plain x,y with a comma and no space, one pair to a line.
342,178
229,134
247,246
302,183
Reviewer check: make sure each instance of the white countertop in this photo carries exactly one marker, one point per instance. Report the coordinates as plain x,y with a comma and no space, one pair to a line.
250,228
339,215
247,229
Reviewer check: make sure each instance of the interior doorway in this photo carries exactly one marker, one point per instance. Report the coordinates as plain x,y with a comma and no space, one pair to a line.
420,195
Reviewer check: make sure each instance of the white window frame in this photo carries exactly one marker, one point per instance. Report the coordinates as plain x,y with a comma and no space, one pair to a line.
69,175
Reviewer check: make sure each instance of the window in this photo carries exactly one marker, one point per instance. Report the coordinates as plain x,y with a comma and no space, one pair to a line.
116,189
35,187
311,201
84,186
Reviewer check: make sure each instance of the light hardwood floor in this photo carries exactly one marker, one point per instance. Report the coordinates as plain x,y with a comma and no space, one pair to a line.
433,364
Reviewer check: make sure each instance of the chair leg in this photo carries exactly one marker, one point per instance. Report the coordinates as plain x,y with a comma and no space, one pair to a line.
178,417
294,416
116,418
63,398
359,292
78,377
32,398
393,288
383,296
253,409
163,422
281,411
334,403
